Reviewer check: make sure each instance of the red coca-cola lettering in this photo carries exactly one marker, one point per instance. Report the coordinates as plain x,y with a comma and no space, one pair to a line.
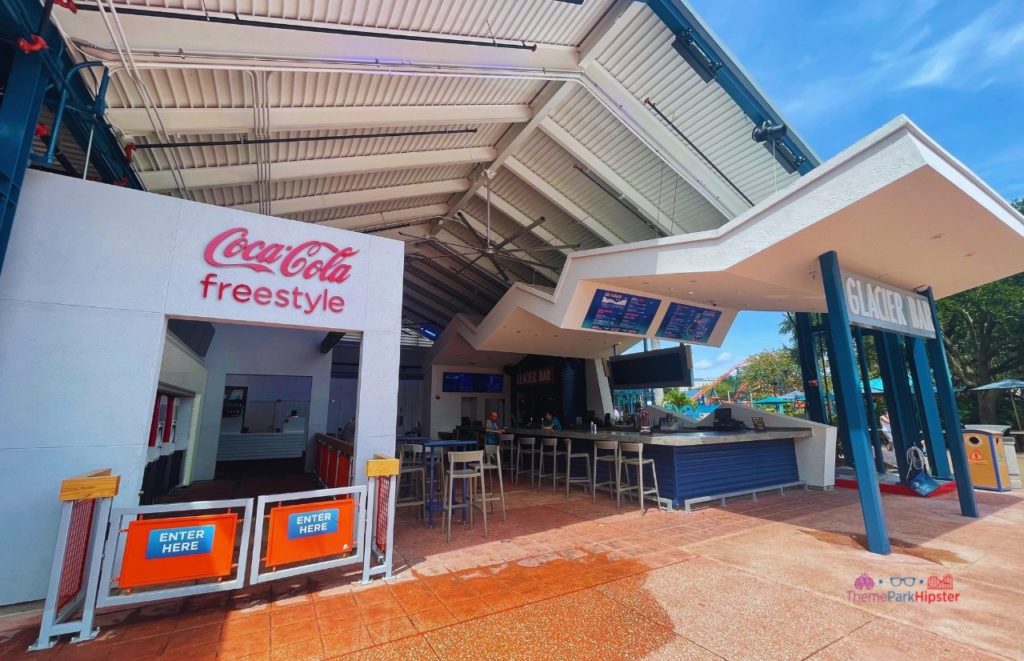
233,249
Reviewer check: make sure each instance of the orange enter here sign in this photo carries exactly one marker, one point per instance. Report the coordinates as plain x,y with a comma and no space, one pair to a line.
311,530
178,549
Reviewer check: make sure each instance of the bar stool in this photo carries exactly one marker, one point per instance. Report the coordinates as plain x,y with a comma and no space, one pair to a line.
549,450
492,463
506,446
410,463
526,447
611,464
472,472
636,459
569,456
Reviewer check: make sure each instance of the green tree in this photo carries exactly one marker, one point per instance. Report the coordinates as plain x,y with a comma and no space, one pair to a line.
984,332
773,372
677,397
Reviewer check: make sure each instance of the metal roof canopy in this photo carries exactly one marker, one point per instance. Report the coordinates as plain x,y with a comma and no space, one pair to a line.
895,207
549,95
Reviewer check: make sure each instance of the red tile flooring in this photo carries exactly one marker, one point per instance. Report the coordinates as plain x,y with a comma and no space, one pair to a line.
564,578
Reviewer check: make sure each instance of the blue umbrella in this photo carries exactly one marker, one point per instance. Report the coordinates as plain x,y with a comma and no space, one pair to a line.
1006,384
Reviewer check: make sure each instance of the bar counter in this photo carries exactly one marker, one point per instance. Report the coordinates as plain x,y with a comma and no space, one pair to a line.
698,463
672,439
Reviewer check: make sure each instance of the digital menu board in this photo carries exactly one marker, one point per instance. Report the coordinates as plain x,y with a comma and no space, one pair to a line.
688,323
621,313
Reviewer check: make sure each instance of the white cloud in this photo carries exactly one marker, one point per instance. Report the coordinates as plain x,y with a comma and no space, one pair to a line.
703,364
725,356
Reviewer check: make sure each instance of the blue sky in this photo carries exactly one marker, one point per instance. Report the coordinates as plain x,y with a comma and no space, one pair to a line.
839,70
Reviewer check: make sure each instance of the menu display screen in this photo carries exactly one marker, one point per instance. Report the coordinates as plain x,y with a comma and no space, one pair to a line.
621,313
688,323
472,382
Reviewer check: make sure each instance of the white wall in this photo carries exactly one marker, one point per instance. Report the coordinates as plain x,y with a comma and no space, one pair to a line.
238,349
182,370
446,407
91,273
599,392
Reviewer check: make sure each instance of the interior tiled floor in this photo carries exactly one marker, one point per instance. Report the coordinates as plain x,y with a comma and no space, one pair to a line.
564,578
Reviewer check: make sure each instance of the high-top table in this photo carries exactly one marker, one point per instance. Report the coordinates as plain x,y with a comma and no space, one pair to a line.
429,448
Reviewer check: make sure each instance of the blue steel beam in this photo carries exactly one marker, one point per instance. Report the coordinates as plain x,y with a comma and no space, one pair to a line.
815,402
902,418
20,18
19,111
950,413
851,408
683,22
869,399
927,405
837,385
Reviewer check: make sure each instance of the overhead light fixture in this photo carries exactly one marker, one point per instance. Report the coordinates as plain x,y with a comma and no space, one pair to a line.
701,59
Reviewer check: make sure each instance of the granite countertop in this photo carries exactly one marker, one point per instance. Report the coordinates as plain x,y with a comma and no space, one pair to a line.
674,439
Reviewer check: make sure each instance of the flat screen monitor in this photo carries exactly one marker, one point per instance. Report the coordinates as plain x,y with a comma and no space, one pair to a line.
665,368
472,382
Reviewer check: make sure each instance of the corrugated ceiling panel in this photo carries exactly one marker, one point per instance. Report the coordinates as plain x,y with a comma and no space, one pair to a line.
524,198
555,165
202,88
641,57
682,208
280,190
540,21
341,184
321,215
199,157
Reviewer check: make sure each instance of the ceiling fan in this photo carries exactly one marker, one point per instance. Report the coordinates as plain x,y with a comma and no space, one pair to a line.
487,248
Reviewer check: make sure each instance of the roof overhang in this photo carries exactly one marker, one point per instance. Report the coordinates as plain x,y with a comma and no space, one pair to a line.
895,207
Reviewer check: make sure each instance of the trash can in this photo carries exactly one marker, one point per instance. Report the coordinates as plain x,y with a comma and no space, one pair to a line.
986,460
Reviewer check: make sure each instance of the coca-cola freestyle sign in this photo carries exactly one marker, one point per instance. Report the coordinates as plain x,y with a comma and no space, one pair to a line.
317,263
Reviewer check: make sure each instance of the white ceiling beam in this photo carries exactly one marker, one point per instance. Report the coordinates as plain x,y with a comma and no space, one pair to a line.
581,153
162,34
384,218
367,196
236,175
560,200
197,121
662,140
550,99
513,213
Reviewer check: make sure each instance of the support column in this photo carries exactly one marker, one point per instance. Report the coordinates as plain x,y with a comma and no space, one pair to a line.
837,386
950,414
902,418
19,112
851,409
815,403
869,400
376,398
927,405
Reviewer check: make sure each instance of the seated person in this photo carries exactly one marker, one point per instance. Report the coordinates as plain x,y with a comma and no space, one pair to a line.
348,432
492,429
551,422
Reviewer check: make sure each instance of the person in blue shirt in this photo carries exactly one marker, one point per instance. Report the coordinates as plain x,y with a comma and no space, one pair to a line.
492,429
551,422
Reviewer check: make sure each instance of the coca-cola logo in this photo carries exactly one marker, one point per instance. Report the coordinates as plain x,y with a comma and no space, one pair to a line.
310,259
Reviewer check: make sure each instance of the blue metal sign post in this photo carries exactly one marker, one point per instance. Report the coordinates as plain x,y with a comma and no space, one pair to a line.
815,402
869,400
927,405
902,418
851,408
950,414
